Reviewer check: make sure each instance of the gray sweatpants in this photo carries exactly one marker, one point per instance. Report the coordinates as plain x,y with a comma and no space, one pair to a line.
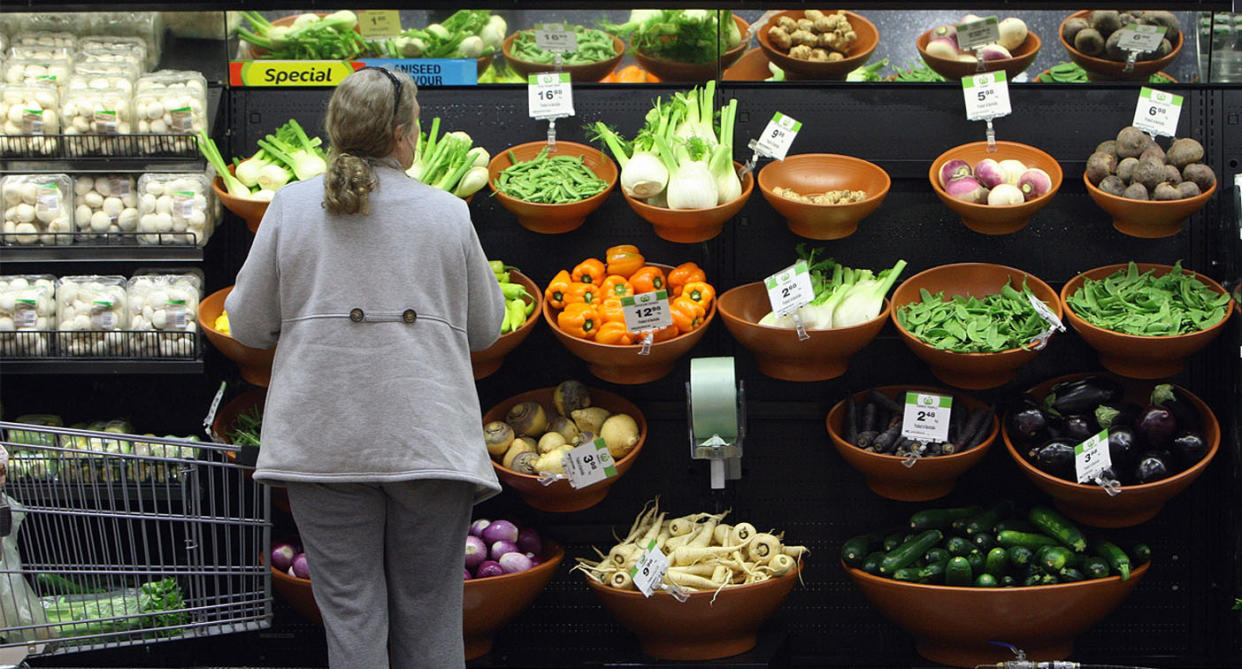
386,563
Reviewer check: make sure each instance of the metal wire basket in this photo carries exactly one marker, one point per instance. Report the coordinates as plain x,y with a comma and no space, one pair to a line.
116,540
101,345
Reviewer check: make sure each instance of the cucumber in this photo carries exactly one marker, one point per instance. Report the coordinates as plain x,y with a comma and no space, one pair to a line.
893,540
910,551
908,574
984,541
1070,575
977,561
1117,558
1095,567
1058,527
1141,553
1053,559
871,564
1008,581
1032,579
986,580
1016,525
937,554
1010,538
957,572
855,549
958,546
55,584
1019,556
934,572
940,519
984,521
997,562
1048,579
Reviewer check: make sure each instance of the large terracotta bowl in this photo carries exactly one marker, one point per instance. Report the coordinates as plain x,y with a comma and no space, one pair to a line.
1139,356
778,352
752,66
700,628
973,371
1136,504
622,364
251,211
1149,219
586,73
954,70
553,218
668,70
560,496
487,361
930,477
689,226
1104,69
488,604
996,219
255,364
223,426
810,173
956,626
795,69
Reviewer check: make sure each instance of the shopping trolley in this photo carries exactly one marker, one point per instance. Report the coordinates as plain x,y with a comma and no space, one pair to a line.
114,540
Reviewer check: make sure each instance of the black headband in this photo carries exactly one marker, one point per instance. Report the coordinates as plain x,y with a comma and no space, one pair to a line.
396,88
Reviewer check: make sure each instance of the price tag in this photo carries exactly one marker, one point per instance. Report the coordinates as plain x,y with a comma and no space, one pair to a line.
648,572
589,464
25,314
102,316
550,95
182,120
646,311
183,204
926,417
32,122
179,314
1091,457
47,199
975,34
790,289
778,136
987,95
379,23
1157,112
105,122
210,420
1141,38
555,38
120,185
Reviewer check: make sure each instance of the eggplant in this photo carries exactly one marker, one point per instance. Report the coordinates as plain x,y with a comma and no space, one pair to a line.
1028,424
1172,398
1083,394
1057,459
1189,448
1156,426
1078,428
1120,414
1151,467
1123,447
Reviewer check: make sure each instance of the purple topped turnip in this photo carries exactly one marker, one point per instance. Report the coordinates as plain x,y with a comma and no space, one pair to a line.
1034,182
968,189
476,551
1005,194
953,169
994,52
989,173
500,530
282,555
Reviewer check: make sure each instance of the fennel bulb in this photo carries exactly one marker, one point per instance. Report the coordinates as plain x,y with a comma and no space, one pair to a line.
865,299
643,175
691,186
248,170
728,185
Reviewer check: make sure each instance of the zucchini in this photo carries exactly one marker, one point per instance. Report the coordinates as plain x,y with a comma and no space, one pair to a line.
910,551
1070,575
1117,558
1095,567
986,580
1010,538
940,519
1141,553
893,540
983,522
984,541
977,561
933,572
937,554
908,574
1019,556
855,549
958,546
957,572
1016,524
55,584
871,564
1053,559
1058,527
997,562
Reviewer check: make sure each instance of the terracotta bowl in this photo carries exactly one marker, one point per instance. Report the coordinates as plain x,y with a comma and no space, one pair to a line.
560,496
553,219
973,371
622,364
954,70
255,364
1136,504
810,173
668,70
1103,69
689,226
487,361
929,478
868,38
223,425
752,66
999,219
588,73
488,604
251,211
697,629
1149,219
1138,356
955,626
779,353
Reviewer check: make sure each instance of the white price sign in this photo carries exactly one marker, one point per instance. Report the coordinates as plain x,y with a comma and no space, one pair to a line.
926,417
550,95
589,464
987,95
648,572
1091,457
790,289
975,34
1141,38
778,136
1157,112
646,311
555,38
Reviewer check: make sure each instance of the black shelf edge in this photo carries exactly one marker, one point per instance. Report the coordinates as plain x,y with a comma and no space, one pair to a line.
67,254
331,5
94,366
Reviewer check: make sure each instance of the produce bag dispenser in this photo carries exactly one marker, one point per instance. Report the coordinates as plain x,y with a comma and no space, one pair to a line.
716,417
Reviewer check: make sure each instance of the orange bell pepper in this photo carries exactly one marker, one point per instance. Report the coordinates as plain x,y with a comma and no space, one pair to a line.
616,286
613,332
624,260
687,314
557,290
580,320
666,334
683,274
699,291
589,271
582,293
610,310
648,279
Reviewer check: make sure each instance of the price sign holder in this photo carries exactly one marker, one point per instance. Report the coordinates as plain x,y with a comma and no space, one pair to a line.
987,98
788,291
1092,459
550,96
648,574
972,35
1138,39
1157,112
1054,323
210,419
775,140
645,313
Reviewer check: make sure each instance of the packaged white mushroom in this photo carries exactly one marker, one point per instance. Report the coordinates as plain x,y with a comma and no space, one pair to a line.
30,109
98,75
105,112
62,40
104,204
92,309
147,26
4,44
27,314
170,102
35,70
164,313
113,49
37,208
37,52
175,209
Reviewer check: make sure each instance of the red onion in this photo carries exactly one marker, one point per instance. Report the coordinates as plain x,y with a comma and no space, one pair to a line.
489,568
501,548
282,555
528,541
500,530
476,551
299,567
477,527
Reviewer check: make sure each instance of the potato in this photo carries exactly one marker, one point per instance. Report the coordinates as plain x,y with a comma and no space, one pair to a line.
1153,151
1100,165
1131,142
1089,41
1188,189
1185,151
1166,192
1072,27
1125,169
1135,191
1105,21
1107,146
1149,172
1172,175
1113,185
1200,174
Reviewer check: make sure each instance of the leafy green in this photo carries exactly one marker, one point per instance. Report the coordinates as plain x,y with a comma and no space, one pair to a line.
679,35
1135,303
918,73
153,605
995,323
247,427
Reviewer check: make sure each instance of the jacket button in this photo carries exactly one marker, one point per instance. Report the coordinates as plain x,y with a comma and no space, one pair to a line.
409,316
356,315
